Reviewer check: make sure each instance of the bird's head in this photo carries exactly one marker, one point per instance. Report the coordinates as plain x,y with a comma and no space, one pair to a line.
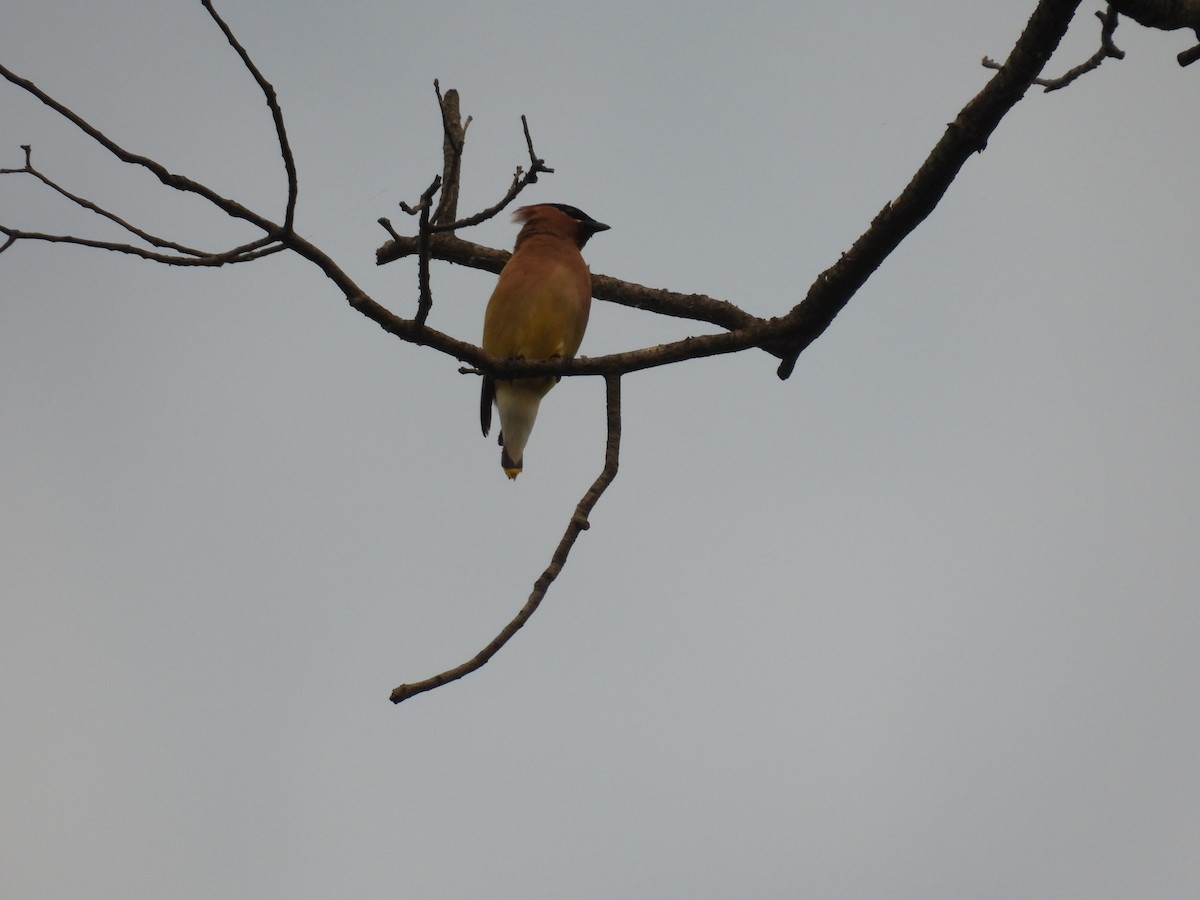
559,219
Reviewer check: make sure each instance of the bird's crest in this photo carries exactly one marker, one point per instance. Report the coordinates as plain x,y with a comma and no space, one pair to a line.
537,218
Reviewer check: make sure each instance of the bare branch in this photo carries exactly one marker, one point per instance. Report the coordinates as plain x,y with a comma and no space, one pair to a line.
756,333
701,308
423,204
1108,22
244,253
28,150
187,256
966,135
285,150
452,150
151,239
425,299
272,242
521,180
175,182
454,136
387,226
579,522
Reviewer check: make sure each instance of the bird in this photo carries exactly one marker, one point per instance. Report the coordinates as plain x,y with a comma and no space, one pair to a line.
538,310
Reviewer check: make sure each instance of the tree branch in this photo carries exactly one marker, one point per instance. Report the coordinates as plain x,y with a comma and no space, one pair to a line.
699,307
521,180
579,522
966,135
176,182
454,136
154,240
188,256
424,289
285,150
1108,25
244,253
397,247
454,132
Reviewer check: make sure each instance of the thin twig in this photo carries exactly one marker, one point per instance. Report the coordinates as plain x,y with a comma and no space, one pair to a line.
454,136
28,162
453,249
1108,22
521,180
245,253
285,150
579,522
153,240
442,221
175,182
387,226
425,292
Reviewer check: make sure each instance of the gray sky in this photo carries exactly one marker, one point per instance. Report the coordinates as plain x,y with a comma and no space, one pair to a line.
919,622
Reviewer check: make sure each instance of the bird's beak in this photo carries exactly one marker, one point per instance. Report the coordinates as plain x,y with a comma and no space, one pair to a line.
586,230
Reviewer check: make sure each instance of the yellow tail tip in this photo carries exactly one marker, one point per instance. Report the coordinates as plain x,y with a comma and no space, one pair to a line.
512,473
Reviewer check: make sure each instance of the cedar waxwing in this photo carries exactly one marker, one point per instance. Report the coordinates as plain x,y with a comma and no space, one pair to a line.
538,310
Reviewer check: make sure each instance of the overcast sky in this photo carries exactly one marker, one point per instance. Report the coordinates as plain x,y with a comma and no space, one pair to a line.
921,621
